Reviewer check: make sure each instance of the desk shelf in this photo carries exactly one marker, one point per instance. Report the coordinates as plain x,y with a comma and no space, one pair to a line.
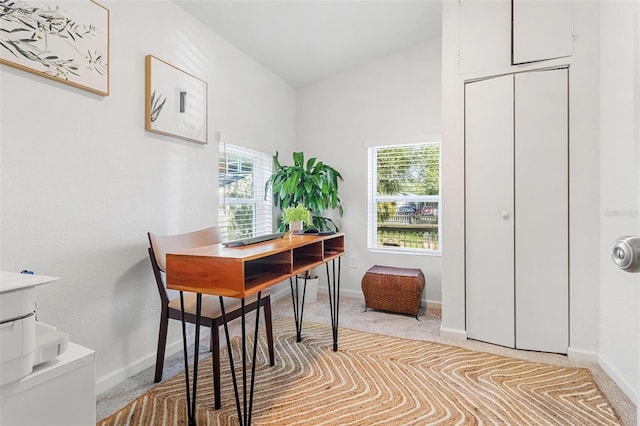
307,257
333,248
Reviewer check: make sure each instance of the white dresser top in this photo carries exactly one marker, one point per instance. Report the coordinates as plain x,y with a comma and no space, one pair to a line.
10,281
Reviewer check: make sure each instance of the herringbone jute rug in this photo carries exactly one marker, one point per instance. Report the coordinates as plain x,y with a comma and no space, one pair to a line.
380,380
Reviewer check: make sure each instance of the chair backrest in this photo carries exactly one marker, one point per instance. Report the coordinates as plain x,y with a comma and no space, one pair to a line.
163,244
160,245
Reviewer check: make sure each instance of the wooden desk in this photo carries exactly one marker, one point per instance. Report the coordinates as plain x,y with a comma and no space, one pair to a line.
243,271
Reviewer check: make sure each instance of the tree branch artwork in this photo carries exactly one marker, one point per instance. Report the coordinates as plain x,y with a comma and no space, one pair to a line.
59,42
157,102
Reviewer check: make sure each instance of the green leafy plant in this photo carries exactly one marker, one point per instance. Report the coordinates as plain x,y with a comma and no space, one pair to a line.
313,184
297,213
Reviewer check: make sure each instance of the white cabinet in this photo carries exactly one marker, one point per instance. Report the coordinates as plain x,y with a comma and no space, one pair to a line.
498,34
542,30
60,392
516,210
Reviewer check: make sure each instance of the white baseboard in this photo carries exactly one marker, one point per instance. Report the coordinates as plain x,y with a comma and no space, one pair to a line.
582,355
619,380
108,381
432,304
453,334
357,294
351,294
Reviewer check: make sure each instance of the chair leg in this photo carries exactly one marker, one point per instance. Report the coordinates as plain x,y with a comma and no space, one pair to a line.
266,304
215,356
162,344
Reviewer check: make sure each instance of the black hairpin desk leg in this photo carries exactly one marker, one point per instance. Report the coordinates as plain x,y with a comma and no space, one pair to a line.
334,298
191,396
243,409
298,305
333,285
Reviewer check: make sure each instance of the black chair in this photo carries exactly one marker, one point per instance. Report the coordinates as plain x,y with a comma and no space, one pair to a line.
211,315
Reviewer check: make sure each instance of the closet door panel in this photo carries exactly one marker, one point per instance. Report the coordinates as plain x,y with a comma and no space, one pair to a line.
542,30
488,210
541,206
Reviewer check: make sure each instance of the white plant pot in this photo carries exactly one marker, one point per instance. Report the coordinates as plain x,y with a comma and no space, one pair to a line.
296,227
312,289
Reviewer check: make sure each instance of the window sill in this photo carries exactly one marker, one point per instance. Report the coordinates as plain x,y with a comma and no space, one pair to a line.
403,251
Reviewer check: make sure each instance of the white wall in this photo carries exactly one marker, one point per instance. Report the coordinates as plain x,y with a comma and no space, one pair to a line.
619,188
452,151
392,98
82,182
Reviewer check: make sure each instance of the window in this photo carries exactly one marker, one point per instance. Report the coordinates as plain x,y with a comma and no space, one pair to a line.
243,209
404,197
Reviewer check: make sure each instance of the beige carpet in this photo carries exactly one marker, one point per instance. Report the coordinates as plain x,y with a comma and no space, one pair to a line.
375,379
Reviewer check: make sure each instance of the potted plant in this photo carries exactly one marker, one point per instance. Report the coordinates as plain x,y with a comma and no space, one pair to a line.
311,279
296,217
313,184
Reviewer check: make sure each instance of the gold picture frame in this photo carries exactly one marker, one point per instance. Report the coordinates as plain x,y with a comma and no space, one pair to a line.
175,102
65,41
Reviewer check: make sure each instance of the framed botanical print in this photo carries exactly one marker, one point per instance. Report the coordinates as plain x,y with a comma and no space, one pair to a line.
175,102
63,40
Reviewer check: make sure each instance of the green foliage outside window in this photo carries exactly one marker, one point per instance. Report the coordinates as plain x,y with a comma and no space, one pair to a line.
409,169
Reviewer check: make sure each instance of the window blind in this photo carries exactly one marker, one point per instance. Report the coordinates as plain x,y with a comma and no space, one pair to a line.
244,211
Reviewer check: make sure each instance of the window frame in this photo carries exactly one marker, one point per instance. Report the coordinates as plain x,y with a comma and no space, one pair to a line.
373,198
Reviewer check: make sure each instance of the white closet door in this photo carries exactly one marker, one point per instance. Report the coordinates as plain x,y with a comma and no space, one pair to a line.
541,205
489,210
542,29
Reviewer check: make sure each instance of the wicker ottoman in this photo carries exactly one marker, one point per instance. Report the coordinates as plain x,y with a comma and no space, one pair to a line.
393,289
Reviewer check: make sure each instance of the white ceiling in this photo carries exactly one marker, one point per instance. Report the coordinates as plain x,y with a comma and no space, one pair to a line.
303,41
